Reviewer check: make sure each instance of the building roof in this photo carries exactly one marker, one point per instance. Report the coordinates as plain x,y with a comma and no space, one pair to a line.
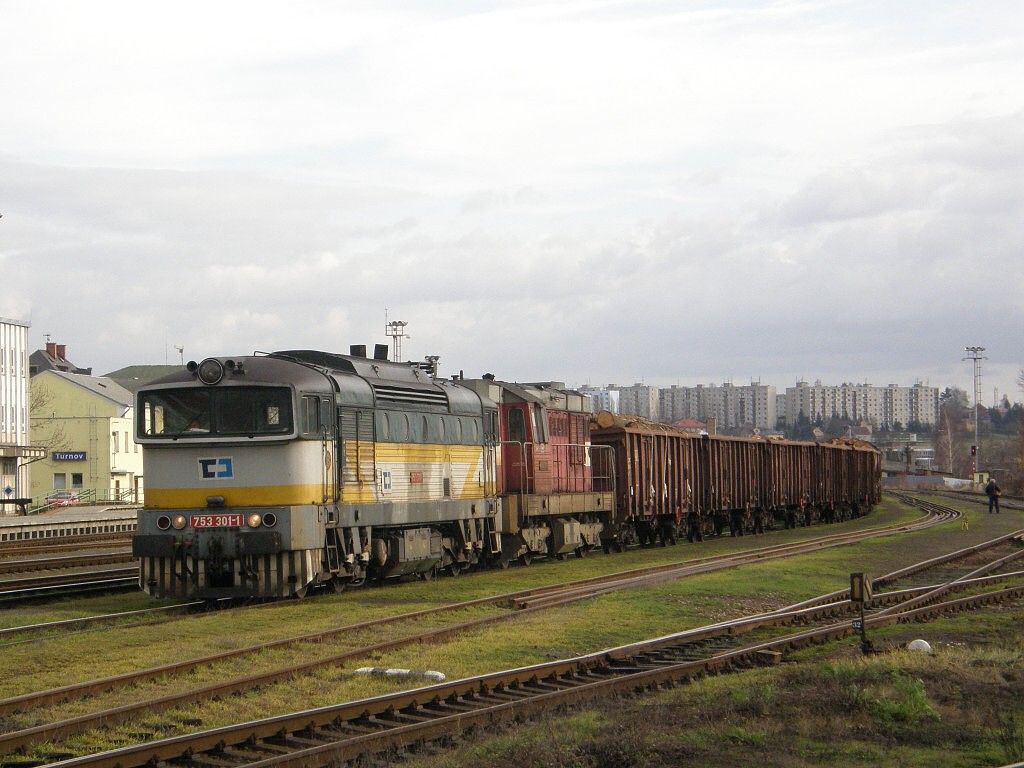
135,376
52,359
99,385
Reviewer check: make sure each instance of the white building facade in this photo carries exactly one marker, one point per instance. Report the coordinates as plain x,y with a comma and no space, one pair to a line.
14,411
639,400
603,398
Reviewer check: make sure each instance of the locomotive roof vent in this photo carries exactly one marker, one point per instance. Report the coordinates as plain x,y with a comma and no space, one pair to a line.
380,351
357,350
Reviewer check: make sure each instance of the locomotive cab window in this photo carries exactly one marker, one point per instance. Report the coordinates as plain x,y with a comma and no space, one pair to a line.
226,412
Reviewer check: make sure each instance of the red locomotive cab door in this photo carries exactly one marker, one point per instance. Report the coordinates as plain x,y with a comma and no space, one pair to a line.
515,451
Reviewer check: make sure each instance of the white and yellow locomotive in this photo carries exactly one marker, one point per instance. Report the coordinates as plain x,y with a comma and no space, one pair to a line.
269,474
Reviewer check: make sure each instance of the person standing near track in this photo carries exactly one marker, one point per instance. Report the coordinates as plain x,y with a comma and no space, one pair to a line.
993,493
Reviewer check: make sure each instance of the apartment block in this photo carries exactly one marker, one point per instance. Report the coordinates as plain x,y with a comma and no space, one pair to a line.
639,400
879,406
731,406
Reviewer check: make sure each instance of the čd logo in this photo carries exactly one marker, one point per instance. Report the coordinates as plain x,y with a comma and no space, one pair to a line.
210,469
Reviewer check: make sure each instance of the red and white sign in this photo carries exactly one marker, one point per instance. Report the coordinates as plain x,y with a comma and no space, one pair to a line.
416,478
215,521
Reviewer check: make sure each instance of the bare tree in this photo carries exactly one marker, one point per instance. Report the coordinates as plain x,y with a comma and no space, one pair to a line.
952,435
47,429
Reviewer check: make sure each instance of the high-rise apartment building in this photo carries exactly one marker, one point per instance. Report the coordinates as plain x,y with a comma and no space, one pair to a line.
639,400
603,398
731,406
879,406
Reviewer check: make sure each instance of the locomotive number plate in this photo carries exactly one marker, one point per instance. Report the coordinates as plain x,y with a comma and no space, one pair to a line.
215,521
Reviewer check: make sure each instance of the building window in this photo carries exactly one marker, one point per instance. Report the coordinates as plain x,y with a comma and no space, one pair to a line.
114,436
76,479
60,481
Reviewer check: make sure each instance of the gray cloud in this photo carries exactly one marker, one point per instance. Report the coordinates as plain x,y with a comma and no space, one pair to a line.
683,195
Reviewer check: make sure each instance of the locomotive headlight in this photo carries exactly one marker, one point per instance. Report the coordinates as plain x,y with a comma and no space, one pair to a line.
163,522
270,519
178,521
211,371
254,520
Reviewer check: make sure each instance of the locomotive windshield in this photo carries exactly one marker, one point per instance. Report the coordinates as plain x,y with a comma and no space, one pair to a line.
221,412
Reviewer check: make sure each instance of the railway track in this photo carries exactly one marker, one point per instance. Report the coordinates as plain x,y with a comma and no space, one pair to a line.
347,731
59,585
63,544
16,740
64,562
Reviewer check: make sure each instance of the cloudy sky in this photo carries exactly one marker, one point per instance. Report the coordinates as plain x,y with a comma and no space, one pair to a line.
599,192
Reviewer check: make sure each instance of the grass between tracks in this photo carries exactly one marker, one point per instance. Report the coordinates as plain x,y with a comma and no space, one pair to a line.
961,706
590,625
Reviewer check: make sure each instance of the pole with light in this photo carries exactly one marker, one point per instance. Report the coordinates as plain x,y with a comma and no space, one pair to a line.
975,354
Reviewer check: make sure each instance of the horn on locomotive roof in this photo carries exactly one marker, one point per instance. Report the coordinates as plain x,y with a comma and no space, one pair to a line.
380,351
357,350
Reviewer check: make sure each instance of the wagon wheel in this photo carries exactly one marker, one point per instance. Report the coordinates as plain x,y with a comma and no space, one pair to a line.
524,559
581,551
300,592
427,575
503,562
562,556
336,585
456,568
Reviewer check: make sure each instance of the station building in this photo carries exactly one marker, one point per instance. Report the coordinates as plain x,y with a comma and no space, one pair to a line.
86,424
15,451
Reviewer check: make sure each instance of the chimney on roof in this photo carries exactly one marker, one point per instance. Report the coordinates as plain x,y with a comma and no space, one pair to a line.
61,349
51,348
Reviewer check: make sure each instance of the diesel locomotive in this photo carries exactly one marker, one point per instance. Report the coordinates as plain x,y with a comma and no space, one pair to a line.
271,474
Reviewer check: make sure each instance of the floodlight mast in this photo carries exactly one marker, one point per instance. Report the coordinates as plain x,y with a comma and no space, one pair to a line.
396,330
975,354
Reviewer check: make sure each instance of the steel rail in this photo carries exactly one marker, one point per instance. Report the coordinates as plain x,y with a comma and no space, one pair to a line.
48,731
64,579
352,729
64,562
86,621
71,588
64,543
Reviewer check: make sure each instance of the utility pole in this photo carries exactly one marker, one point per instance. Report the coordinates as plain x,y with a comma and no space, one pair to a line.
975,354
